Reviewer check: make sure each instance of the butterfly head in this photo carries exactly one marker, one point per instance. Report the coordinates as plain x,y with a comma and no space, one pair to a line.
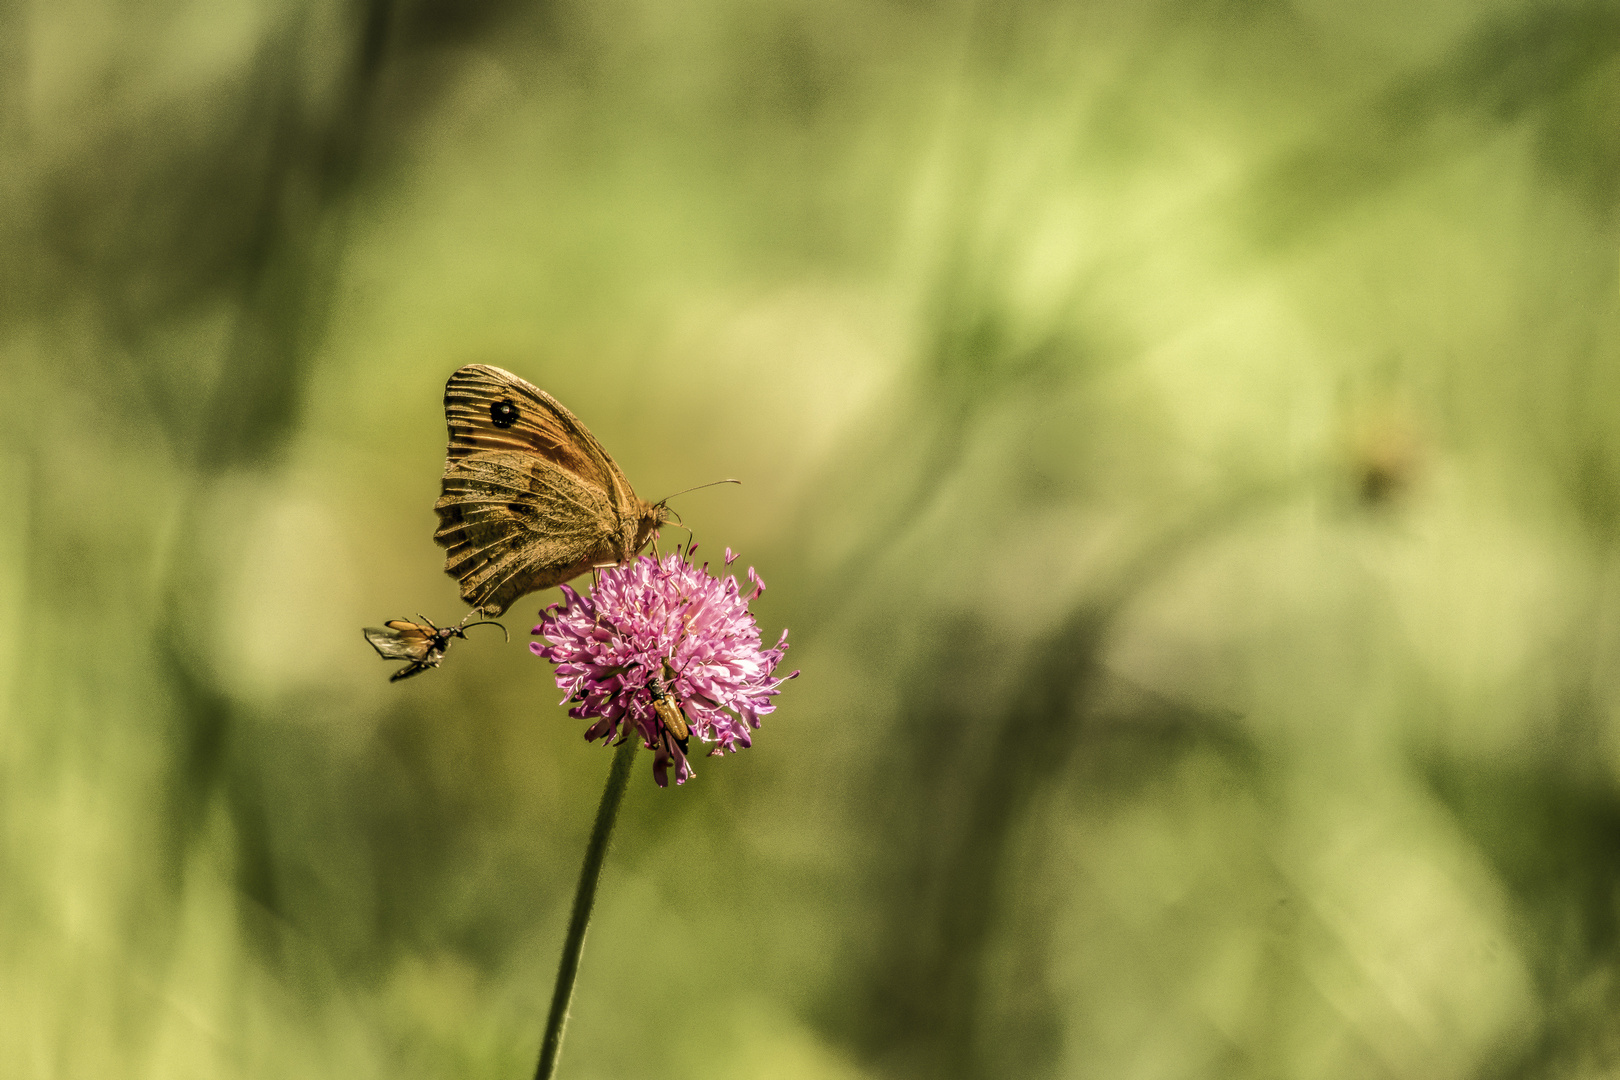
652,516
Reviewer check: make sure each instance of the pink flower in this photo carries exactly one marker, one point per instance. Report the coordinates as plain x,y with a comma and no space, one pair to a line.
672,622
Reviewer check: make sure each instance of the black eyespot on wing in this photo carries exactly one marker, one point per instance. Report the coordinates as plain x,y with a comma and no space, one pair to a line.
502,413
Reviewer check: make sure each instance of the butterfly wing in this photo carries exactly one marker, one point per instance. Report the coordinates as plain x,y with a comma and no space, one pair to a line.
530,498
400,640
488,408
515,522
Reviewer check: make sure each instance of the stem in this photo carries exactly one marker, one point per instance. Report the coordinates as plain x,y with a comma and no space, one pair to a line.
584,896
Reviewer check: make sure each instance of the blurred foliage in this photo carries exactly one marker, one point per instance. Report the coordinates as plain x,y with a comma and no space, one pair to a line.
1183,437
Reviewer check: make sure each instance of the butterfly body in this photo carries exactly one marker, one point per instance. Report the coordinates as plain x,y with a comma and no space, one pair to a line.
529,498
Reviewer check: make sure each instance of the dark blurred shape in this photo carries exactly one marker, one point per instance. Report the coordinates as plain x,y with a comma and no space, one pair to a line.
1386,457
1553,834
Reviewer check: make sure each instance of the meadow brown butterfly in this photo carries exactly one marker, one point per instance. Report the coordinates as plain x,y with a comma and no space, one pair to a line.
530,498
422,644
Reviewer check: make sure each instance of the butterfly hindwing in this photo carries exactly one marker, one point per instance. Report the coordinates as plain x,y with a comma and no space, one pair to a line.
515,523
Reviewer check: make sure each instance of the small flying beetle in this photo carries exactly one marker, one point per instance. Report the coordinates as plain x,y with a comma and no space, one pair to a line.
422,644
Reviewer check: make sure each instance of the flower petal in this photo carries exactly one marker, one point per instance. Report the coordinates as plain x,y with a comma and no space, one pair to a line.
669,622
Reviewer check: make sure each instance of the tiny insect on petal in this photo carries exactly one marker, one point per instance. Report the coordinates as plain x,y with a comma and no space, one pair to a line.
668,649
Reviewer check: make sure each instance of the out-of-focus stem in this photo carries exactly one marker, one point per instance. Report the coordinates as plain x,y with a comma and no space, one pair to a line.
607,812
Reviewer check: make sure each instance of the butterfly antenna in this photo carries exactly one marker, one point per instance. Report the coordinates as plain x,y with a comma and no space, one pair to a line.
490,622
713,483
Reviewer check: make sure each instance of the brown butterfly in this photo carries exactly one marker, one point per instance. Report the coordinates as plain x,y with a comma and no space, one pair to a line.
530,498
423,644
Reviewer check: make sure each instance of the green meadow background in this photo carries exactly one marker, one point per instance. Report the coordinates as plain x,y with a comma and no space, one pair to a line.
1182,438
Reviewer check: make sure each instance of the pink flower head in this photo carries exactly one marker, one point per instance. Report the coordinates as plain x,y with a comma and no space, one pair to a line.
672,622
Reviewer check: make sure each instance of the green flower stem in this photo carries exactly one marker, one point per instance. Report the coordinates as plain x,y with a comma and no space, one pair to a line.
584,897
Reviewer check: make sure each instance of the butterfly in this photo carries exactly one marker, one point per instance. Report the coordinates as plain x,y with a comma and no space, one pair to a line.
529,498
423,644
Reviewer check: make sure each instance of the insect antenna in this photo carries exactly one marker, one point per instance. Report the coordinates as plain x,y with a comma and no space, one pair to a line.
489,622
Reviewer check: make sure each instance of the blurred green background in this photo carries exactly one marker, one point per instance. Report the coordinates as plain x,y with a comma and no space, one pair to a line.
1183,438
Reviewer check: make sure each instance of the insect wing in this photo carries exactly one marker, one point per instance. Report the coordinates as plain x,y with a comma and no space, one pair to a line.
514,523
401,640
488,408
529,499
669,713
673,718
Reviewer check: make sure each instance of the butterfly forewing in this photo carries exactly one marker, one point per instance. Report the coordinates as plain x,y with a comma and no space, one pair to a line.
488,408
530,499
